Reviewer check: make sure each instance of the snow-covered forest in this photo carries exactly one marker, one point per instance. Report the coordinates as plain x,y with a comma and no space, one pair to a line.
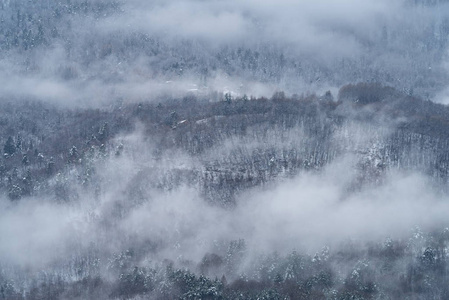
187,149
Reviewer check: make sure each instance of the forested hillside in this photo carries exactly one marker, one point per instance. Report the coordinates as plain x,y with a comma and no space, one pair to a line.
239,149
136,182
77,51
235,143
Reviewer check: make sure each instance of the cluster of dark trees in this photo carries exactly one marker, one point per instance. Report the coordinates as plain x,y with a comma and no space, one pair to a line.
414,268
27,25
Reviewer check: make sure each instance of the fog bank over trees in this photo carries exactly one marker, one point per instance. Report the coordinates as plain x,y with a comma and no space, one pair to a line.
94,52
284,197
224,149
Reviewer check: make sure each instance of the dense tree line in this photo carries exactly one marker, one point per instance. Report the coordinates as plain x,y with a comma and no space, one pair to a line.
413,268
273,137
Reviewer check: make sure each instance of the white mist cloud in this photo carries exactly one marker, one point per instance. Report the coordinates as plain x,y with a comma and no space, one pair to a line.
34,232
309,211
131,54
324,28
306,212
